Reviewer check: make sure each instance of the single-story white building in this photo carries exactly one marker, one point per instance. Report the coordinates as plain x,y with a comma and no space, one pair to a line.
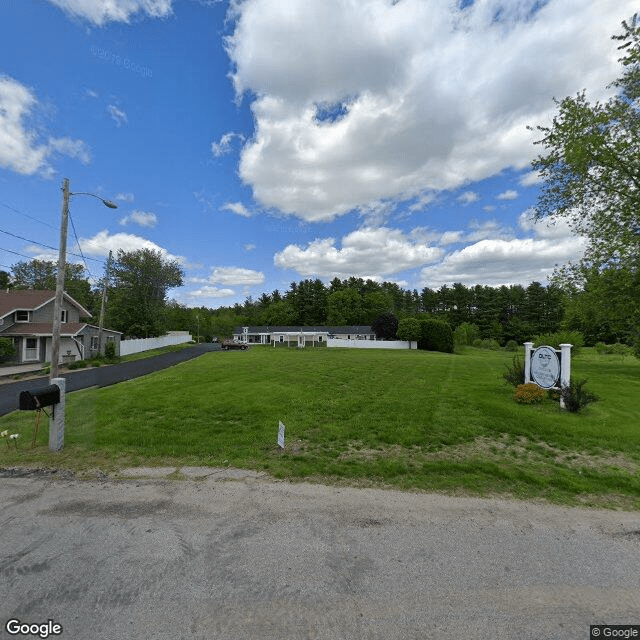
301,335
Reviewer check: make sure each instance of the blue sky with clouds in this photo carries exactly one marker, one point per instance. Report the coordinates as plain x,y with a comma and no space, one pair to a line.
260,142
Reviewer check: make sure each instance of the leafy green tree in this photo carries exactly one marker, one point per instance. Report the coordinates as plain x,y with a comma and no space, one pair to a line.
43,275
408,329
385,326
344,307
137,300
591,162
5,281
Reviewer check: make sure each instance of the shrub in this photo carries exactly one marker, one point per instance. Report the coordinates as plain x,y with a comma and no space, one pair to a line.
435,335
465,334
554,340
78,364
385,326
7,349
408,329
512,345
490,343
529,393
514,374
110,350
575,397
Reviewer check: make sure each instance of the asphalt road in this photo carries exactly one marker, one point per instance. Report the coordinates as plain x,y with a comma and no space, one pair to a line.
102,376
245,559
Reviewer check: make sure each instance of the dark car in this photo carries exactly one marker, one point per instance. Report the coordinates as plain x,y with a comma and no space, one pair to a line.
233,344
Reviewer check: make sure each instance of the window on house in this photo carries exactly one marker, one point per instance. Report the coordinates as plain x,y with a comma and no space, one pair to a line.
63,315
319,338
281,338
22,316
94,342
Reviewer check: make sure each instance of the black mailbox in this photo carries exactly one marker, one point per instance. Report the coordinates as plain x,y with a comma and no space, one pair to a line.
38,398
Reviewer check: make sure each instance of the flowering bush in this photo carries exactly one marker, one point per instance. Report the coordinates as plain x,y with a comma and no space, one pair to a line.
529,393
13,437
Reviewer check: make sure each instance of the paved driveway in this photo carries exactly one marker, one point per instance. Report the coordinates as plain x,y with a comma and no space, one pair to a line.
232,556
103,376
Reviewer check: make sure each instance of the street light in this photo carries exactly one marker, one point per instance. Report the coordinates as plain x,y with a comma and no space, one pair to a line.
62,265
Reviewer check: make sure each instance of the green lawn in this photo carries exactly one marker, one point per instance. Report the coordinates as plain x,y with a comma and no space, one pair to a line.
409,419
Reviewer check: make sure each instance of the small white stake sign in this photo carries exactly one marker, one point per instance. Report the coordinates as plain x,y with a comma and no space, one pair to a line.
280,435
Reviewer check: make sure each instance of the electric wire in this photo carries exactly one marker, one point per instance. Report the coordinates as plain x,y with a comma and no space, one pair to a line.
46,246
73,226
26,215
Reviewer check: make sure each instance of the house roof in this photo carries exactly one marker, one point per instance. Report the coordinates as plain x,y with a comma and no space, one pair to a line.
32,299
317,328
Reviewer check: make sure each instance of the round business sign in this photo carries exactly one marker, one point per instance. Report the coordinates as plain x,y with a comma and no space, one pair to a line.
545,367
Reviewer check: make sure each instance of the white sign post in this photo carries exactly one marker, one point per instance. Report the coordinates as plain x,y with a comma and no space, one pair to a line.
546,369
281,435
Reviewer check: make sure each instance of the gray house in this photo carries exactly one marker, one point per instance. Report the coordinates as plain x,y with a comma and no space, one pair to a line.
301,335
26,317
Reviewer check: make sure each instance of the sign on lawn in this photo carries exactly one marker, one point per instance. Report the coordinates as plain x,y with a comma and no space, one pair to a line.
280,435
545,367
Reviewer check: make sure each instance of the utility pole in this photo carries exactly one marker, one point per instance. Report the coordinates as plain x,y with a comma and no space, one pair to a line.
62,266
104,302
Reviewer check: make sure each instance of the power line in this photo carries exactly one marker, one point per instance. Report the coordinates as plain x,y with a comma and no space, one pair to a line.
73,226
16,253
46,246
26,215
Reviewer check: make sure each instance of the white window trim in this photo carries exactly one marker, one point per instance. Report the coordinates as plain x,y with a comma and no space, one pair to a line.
22,311
64,315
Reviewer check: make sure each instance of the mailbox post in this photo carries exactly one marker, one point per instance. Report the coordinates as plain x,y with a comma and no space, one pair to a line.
51,396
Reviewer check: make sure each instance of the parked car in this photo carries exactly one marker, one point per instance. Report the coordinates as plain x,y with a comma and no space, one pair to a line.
233,344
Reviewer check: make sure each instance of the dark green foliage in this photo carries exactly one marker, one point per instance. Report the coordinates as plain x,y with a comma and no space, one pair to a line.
385,326
7,349
408,329
110,351
435,335
576,397
514,374
512,345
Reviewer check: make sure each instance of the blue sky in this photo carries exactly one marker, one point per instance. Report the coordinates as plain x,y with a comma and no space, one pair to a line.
260,142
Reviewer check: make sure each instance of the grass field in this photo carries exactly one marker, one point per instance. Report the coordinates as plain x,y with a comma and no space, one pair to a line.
407,419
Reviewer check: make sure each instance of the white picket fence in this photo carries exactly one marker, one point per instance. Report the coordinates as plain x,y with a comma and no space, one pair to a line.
371,344
137,345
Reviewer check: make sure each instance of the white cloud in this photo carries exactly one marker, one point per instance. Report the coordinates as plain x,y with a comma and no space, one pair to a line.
508,260
211,292
141,218
117,115
468,197
411,111
249,247
509,194
224,146
72,148
235,276
102,11
531,179
20,150
366,252
125,197
102,242
238,208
